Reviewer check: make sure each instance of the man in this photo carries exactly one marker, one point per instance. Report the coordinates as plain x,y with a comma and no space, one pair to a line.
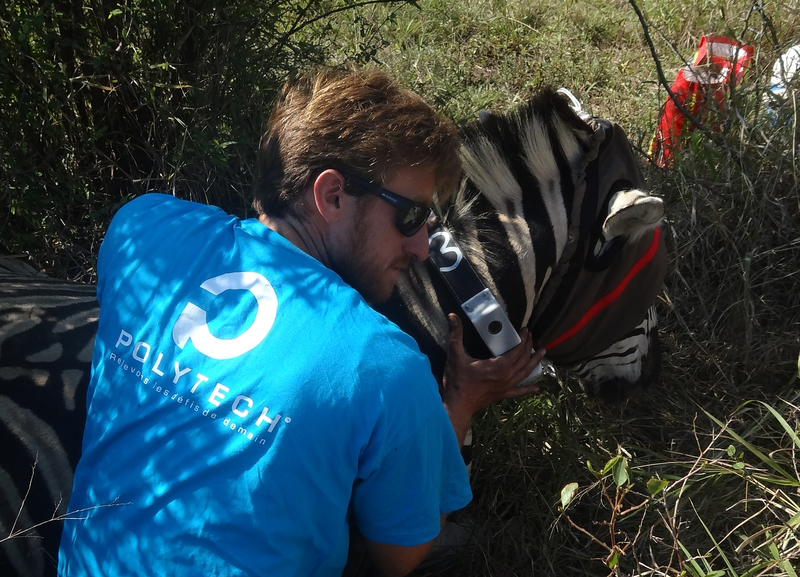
246,405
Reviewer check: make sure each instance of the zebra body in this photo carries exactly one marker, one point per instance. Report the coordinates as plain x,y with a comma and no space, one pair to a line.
47,331
548,208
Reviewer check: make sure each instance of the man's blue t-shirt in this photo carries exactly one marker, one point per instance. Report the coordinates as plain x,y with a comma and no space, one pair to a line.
246,405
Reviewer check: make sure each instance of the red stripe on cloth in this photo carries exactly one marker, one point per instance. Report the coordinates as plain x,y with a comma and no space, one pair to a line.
612,296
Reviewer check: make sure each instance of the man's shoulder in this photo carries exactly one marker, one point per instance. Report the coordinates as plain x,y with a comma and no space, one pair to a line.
378,332
163,207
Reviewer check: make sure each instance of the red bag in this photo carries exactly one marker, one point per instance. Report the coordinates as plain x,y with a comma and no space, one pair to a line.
702,88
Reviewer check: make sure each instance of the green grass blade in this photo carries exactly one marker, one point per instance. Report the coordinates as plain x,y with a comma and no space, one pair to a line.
690,564
786,426
752,448
784,564
716,545
757,569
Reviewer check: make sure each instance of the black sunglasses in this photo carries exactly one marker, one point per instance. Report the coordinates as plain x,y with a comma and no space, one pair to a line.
410,217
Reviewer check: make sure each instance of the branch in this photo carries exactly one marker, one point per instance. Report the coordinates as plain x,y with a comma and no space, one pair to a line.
592,537
299,24
69,515
25,498
14,533
665,83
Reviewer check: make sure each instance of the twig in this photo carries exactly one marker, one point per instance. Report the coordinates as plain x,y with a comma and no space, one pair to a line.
25,498
299,23
69,515
592,537
663,79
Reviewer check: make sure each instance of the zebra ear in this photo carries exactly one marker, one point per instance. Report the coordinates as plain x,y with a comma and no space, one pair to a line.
632,213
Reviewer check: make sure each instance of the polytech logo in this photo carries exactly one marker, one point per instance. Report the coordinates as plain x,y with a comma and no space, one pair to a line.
192,324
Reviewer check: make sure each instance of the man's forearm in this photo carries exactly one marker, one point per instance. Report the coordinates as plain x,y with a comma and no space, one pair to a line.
460,419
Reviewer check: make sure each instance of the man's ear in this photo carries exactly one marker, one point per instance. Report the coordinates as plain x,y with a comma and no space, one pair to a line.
329,195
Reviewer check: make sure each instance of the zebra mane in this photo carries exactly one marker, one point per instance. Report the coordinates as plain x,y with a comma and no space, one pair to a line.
521,173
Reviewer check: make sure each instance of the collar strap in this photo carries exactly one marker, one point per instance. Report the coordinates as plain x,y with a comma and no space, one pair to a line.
476,300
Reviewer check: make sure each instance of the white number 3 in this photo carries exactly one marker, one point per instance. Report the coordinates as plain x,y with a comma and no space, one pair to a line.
448,247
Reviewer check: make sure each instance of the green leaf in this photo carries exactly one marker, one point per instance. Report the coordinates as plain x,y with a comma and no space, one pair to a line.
613,559
567,493
612,462
756,569
114,12
655,486
731,450
621,474
782,563
786,426
597,474
787,568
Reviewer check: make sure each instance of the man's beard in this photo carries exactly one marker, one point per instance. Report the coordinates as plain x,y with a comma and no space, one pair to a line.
366,284
359,271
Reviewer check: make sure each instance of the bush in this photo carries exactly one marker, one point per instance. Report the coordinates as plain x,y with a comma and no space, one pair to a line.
102,101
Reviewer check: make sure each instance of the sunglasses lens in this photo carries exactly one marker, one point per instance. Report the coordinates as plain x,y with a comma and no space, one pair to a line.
411,216
411,220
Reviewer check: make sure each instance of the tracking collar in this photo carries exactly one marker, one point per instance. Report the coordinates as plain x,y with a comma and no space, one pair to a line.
476,299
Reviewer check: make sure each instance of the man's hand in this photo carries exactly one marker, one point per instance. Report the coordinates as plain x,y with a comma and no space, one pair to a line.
471,384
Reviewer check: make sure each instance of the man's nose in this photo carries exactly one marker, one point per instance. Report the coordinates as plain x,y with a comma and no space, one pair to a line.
417,245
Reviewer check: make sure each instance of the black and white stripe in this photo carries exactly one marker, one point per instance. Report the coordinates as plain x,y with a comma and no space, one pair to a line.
635,357
47,331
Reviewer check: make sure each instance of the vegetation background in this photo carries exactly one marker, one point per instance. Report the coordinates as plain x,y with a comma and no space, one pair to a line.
102,100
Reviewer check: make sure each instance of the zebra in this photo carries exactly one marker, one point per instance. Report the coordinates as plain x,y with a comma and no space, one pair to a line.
47,330
552,215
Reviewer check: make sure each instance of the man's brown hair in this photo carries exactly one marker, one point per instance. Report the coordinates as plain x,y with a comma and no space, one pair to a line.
363,121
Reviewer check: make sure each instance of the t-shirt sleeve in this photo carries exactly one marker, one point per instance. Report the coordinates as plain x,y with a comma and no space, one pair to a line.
140,229
415,476
125,234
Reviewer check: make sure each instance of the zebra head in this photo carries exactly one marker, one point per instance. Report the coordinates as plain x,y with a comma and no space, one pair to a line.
552,214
